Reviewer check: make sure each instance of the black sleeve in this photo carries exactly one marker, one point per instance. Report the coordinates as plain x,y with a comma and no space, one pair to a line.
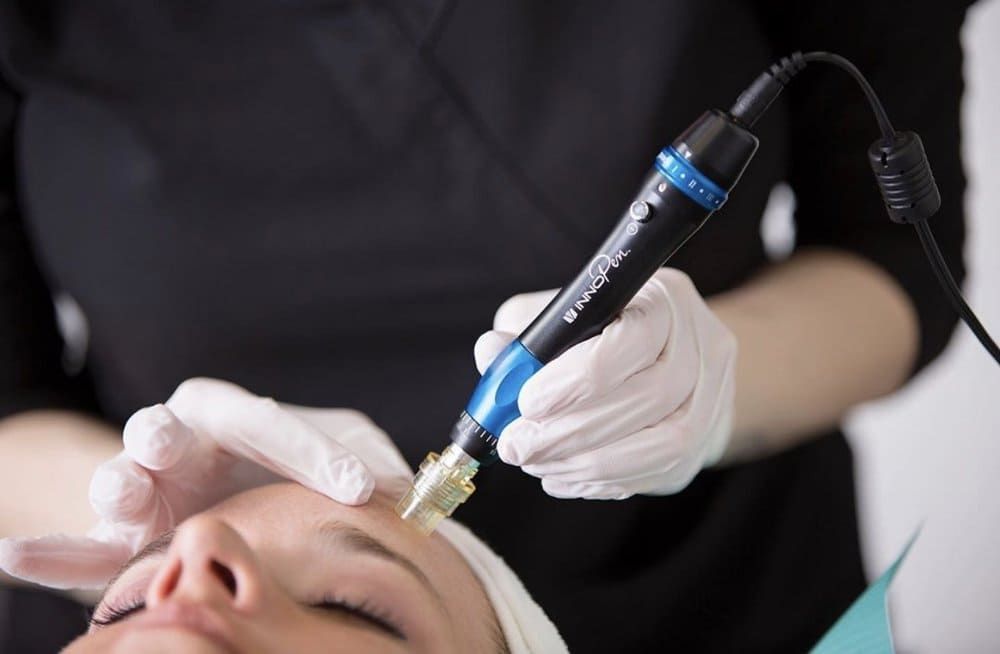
31,371
911,54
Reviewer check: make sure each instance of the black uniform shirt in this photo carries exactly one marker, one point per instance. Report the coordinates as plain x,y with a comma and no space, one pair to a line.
326,202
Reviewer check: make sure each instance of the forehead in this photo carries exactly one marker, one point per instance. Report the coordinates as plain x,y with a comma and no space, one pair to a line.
285,507
278,517
278,514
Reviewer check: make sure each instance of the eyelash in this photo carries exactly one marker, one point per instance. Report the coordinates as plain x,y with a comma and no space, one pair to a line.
363,610
113,614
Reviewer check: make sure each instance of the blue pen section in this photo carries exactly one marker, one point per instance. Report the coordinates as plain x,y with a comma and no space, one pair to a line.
494,401
689,180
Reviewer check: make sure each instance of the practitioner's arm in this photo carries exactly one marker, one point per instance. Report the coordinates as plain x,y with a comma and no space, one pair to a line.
817,335
46,460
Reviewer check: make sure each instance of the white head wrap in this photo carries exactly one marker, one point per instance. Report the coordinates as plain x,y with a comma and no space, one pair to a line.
525,626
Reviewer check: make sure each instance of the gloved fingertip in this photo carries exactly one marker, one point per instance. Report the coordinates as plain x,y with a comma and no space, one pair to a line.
354,495
60,561
488,346
561,383
156,438
359,495
515,444
585,490
348,481
534,402
518,311
14,557
508,453
120,489
603,492
558,489
10,553
15,553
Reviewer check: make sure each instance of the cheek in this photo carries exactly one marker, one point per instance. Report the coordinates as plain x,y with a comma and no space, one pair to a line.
89,642
312,633
455,579
291,633
149,641
467,601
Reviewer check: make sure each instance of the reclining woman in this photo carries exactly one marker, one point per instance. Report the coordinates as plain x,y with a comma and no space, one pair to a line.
203,547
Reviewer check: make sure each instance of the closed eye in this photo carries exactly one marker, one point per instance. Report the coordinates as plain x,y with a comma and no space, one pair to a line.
372,617
365,613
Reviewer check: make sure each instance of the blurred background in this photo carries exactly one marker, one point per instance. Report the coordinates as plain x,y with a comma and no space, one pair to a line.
929,455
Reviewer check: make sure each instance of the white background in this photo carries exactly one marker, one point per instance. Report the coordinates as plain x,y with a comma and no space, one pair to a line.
931,454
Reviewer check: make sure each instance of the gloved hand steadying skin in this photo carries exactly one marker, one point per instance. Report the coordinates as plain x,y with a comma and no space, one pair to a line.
639,408
210,440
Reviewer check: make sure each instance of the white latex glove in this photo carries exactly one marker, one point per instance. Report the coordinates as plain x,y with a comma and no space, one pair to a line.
639,408
210,440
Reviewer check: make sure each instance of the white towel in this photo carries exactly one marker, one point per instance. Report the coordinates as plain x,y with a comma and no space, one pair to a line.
525,626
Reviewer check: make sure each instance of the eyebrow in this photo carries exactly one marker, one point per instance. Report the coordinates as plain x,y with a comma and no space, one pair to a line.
335,533
158,545
356,540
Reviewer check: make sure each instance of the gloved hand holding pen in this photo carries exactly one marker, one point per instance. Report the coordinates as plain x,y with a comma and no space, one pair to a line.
210,440
639,408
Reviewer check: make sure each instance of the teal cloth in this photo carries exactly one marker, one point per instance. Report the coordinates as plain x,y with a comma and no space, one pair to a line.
865,626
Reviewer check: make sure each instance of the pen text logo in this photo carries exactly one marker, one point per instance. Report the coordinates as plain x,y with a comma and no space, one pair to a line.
600,274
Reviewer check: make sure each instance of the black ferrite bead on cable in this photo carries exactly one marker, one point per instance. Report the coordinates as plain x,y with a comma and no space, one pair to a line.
904,177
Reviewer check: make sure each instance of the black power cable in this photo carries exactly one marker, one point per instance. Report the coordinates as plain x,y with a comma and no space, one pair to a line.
951,289
884,124
898,161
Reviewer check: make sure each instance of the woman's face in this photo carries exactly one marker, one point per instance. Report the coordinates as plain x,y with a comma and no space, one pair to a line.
284,569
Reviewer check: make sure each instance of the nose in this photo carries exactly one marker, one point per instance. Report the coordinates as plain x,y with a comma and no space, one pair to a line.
208,563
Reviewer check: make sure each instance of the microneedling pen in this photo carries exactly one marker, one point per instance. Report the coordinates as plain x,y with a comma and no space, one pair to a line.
689,180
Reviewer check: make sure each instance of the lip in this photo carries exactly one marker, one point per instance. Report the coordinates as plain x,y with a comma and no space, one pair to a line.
198,619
